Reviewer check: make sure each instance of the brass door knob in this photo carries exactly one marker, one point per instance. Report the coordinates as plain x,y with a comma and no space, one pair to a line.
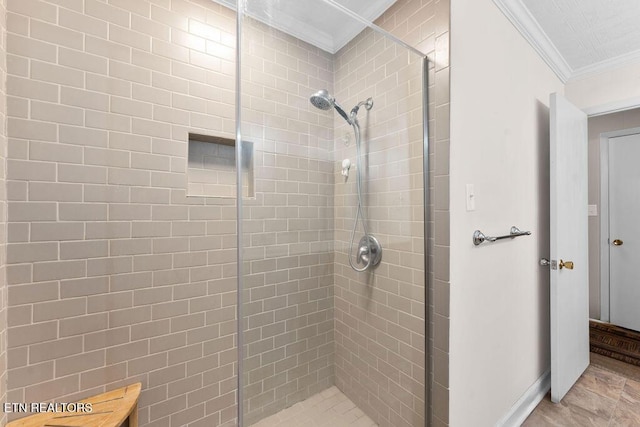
566,264
618,242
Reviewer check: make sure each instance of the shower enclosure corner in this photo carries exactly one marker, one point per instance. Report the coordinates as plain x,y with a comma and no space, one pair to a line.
332,271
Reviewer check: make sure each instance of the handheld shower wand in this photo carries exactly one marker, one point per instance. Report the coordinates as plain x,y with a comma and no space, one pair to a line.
369,249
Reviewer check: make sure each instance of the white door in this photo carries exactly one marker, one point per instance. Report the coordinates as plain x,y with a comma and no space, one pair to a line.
624,231
569,244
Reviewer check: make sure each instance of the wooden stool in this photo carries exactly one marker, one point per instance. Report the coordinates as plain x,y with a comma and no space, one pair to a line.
109,409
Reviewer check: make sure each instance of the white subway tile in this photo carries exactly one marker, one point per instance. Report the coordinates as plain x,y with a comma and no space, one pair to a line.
55,152
108,85
125,141
159,14
107,49
33,9
100,120
84,99
17,24
52,73
55,34
130,38
84,174
106,193
83,136
31,171
151,61
139,8
55,270
151,27
17,191
118,212
55,192
151,94
56,231
86,249
30,89
107,13
150,128
56,113
109,266
17,66
150,195
82,23
106,157
130,73
125,176
130,107
82,211
30,252
31,211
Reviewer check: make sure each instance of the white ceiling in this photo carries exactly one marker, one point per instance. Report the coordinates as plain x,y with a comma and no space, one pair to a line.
578,37
327,24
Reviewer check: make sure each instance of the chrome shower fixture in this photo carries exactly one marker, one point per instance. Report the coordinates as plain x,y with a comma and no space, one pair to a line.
369,249
368,105
323,100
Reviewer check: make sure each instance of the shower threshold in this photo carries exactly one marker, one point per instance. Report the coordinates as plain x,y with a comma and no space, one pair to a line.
329,408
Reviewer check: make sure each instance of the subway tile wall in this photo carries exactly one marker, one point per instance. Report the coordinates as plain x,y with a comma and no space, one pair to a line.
114,274
288,226
3,207
380,328
425,25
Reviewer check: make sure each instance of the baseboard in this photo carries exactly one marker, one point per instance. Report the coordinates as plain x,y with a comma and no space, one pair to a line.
527,403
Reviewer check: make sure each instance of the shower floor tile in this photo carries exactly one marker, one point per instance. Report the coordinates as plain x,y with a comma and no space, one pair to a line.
329,408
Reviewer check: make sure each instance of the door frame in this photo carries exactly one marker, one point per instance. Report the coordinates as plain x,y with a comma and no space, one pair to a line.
605,284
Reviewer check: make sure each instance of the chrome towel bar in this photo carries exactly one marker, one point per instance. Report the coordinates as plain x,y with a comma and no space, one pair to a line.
479,237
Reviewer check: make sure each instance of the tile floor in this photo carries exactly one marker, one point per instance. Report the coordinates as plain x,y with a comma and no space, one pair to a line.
607,394
330,408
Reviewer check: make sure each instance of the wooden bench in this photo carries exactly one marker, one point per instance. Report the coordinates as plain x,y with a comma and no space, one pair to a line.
110,409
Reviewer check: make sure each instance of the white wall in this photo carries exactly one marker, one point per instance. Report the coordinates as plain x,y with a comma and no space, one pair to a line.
614,89
499,142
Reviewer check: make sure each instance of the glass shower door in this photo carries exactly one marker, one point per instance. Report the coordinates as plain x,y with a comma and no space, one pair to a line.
312,319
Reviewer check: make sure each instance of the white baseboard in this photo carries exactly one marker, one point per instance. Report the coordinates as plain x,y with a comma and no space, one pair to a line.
527,403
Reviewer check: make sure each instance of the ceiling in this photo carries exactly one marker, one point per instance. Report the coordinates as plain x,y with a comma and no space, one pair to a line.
327,24
578,37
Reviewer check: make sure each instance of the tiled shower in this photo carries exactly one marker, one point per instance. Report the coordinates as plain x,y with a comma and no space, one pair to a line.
121,225
311,321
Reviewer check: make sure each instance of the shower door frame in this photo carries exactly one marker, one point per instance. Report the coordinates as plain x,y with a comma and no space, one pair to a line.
428,288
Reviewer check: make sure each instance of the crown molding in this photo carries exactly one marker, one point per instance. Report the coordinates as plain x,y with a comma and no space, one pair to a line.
526,24
609,64
331,43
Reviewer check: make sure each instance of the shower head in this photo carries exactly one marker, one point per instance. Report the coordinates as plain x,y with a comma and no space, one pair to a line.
323,100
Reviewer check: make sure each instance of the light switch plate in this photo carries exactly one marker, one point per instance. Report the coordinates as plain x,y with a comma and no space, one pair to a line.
593,210
471,198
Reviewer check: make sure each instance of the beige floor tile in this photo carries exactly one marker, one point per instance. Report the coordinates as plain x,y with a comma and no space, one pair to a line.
329,408
607,394
626,414
550,414
582,397
616,366
603,382
631,393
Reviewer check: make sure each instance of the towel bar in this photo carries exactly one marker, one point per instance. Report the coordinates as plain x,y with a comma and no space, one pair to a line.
479,237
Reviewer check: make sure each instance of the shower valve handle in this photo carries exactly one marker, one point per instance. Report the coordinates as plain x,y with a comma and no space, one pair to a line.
363,255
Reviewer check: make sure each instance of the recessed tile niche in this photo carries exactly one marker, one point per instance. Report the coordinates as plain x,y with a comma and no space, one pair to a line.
212,167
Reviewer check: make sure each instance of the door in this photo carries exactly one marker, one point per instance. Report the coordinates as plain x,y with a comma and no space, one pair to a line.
624,231
569,243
